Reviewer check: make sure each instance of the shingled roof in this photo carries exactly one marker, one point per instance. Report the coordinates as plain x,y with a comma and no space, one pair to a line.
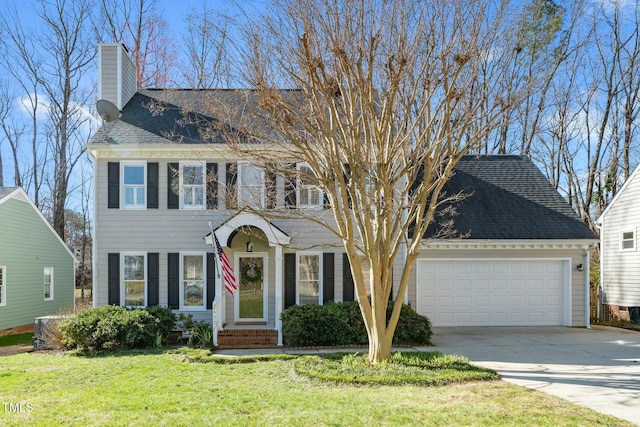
184,116
508,197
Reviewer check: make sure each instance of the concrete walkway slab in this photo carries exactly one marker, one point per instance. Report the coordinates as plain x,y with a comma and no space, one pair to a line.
598,368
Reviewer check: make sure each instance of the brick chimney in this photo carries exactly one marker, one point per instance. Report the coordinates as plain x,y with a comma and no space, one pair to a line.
116,74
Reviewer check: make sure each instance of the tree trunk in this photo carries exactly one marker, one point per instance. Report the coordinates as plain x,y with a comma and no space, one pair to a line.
380,344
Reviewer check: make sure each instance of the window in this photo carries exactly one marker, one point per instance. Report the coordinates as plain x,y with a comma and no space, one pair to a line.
192,286
133,185
134,280
192,185
250,186
3,286
628,241
309,289
308,193
48,283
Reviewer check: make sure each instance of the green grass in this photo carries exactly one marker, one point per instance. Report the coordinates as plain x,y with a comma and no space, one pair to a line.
158,388
17,339
414,368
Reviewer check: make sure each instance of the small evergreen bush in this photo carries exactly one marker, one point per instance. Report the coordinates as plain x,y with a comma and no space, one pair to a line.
339,324
114,328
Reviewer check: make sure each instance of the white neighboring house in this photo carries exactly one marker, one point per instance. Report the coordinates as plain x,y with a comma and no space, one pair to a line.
619,255
160,180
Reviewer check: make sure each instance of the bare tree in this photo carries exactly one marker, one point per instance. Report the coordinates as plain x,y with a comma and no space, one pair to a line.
139,26
205,47
55,59
387,101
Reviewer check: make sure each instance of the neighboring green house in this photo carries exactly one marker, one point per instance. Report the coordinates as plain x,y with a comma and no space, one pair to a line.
37,270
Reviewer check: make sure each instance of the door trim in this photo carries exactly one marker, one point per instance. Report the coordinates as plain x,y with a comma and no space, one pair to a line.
265,287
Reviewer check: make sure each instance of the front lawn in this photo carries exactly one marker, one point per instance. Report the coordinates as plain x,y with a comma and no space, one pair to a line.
162,388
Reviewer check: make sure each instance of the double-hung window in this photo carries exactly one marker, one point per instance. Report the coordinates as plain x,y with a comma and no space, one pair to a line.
309,280
628,240
251,190
309,196
134,279
192,286
134,185
3,286
193,185
48,283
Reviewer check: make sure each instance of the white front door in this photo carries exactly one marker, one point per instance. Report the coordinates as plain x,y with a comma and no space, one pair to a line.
251,300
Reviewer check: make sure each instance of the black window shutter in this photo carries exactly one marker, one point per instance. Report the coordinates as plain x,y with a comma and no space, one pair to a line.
152,185
211,279
113,279
289,280
212,186
173,282
347,279
270,189
231,180
290,188
153,279
328,276
173,186
113,185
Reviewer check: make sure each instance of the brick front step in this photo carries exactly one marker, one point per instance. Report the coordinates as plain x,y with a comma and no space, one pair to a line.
248,338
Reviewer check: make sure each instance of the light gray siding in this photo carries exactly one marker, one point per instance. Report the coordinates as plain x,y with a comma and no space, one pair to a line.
166,231
109,75
621,268
118,81
27,246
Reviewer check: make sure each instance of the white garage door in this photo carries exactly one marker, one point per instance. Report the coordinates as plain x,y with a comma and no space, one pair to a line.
491,292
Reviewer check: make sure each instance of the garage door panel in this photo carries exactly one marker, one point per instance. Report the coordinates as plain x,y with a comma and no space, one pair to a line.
491,292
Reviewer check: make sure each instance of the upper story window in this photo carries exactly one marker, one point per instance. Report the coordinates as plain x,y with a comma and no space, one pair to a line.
193,185
133,185
48,283
309,196
192,282
134,279
309,268
3,286
628,240
251,189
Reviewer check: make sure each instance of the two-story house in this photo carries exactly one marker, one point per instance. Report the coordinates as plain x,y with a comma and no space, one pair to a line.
162,184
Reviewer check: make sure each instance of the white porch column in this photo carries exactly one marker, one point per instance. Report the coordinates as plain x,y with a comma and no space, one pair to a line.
217,312
278,279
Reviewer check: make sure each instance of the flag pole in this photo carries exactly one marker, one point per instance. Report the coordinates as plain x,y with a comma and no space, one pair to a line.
214,303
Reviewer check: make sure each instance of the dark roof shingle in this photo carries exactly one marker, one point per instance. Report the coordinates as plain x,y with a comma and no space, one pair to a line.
508,197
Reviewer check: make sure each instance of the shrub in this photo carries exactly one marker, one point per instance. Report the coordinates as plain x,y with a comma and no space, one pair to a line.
112,328
412,328
201,332
312,325
337,324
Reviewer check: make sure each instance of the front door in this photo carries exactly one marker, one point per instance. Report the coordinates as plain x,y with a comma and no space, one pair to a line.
251,301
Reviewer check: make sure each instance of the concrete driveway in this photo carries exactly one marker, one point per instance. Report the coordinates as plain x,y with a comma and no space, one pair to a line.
598,368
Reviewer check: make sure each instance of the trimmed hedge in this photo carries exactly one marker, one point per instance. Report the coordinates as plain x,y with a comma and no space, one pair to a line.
114,328
338,324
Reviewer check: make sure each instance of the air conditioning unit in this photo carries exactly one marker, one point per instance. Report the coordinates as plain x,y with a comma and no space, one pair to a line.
44,329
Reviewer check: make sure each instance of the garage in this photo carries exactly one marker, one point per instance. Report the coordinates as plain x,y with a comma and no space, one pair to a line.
490,292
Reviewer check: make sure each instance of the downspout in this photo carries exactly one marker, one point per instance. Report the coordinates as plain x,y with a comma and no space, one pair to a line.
587,289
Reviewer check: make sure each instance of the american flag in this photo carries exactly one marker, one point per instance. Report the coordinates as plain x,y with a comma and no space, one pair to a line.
230,281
